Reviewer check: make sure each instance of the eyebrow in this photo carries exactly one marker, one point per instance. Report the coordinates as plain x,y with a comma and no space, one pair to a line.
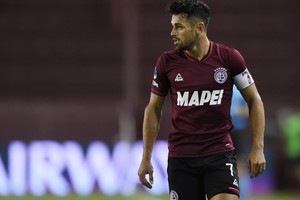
176,24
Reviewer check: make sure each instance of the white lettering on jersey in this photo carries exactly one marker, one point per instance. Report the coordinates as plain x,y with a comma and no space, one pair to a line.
198,98
182,100
205,97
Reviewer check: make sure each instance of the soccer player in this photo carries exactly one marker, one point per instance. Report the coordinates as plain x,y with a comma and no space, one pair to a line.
199,74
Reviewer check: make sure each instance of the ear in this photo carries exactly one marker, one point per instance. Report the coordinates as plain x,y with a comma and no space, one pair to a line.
201,27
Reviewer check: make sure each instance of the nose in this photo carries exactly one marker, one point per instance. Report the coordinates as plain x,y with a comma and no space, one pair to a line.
172,33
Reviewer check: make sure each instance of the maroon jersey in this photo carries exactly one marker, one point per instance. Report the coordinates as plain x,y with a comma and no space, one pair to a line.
201,94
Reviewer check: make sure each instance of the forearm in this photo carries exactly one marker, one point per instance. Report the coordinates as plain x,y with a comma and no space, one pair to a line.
150,130
257,121
256,158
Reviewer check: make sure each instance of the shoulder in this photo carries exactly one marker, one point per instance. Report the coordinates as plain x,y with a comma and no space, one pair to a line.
170,54
168,57
225,51
229,55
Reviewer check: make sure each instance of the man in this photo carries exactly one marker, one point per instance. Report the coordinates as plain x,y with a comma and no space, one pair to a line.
199,74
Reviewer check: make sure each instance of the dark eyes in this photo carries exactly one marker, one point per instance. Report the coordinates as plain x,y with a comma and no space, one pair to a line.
178,27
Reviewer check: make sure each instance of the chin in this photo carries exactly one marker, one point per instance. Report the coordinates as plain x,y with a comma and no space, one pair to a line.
179,48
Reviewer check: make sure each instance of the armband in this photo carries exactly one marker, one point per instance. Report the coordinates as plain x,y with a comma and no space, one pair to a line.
243,80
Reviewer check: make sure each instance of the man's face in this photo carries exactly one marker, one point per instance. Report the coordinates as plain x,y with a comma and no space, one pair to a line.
184,32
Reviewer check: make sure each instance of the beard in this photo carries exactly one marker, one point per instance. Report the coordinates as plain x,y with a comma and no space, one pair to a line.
182,46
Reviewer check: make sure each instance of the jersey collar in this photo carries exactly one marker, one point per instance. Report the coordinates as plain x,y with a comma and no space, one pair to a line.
204,58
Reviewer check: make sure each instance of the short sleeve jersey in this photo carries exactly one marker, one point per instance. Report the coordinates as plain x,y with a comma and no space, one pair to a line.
201,93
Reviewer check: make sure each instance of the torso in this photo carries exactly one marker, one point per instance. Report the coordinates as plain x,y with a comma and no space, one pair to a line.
201,97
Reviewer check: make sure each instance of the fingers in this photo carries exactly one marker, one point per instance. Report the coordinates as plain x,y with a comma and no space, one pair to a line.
256,168
143,179
151,178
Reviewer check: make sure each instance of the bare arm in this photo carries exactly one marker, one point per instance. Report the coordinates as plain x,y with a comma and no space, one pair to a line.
150,130
256,159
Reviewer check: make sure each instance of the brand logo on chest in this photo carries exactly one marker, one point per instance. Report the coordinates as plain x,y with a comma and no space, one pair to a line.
178,78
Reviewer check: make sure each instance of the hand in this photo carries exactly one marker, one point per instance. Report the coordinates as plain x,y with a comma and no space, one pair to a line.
146,168
256,163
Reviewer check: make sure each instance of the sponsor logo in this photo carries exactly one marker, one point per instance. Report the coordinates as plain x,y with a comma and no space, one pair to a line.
220,75
41,168
173,195
154,83
199,98
178,78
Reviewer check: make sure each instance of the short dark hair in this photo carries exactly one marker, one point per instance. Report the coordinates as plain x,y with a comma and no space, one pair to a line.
192,8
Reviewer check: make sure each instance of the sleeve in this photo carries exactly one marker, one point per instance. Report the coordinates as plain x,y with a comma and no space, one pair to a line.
160,83
241,76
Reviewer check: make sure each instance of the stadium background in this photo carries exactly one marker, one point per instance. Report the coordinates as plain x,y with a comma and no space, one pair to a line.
81,70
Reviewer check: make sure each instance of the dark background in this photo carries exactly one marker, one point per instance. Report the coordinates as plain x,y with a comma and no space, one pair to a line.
82,69
70,68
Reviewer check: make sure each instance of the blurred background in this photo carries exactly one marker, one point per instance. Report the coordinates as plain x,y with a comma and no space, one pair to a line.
76,74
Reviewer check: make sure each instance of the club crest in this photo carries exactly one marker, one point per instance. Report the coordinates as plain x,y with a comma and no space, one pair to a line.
220,75
173,195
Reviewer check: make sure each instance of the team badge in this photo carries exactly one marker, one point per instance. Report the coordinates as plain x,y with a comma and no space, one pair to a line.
220,75
173,195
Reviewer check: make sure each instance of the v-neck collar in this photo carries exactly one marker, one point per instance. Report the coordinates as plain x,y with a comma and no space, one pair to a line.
204,58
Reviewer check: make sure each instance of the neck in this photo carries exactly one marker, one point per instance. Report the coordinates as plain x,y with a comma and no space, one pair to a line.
200,50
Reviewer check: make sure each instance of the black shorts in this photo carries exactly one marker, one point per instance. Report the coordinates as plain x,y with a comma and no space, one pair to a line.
196,178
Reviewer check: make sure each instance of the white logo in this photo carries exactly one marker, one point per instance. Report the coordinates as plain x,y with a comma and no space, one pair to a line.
220,75
178,78
199,98
154,83
235,183
155,73
173,195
